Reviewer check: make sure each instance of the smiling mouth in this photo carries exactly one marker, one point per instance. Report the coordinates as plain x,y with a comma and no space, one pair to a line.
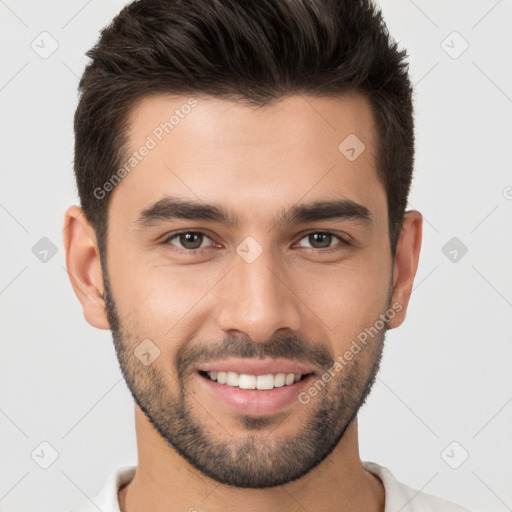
253,382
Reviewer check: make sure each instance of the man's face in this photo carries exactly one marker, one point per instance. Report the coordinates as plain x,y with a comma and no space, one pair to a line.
261,284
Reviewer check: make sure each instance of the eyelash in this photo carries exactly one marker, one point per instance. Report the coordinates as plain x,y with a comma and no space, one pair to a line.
342,241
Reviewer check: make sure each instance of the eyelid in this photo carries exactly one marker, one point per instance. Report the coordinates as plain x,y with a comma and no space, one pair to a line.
166,239
343,240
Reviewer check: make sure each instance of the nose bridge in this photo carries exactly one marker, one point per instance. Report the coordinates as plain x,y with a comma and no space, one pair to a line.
255,300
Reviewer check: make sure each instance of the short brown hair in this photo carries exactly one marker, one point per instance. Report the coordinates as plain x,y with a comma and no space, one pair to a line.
247,51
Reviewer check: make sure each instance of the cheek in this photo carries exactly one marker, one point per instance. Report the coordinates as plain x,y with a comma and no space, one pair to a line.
349,297
161,303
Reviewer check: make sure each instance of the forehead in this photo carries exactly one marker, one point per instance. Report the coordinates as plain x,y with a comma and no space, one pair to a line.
282,122
215,150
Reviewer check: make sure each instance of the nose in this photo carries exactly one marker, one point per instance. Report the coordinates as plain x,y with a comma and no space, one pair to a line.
257,299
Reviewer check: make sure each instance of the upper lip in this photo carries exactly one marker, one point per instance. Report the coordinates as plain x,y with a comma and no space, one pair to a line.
257,366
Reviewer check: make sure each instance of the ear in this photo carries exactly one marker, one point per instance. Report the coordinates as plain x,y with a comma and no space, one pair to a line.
83,266
406,264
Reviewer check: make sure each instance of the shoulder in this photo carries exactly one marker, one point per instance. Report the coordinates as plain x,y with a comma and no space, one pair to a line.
401,497
106,499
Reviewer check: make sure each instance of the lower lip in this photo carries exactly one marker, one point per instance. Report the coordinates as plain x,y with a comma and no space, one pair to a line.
253,401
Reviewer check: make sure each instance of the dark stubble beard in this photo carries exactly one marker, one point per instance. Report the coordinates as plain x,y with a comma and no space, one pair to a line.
258,459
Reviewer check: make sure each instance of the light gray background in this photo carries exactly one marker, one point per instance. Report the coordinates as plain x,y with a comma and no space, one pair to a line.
446,372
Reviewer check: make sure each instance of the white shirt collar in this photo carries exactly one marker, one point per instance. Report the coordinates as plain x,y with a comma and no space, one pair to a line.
399,497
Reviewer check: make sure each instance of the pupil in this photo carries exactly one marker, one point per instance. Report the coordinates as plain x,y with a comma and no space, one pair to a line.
190,240
323,238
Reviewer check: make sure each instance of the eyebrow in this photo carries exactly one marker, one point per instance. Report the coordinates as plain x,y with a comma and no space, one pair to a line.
171,208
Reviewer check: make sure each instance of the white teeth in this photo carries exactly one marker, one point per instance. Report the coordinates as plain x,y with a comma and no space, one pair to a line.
279,380
265,381
232,378
247,381
262,382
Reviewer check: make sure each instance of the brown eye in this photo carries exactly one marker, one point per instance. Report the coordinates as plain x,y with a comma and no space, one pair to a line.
189,240
322,240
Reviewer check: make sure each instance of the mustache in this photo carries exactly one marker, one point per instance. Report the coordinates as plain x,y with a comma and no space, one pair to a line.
288,346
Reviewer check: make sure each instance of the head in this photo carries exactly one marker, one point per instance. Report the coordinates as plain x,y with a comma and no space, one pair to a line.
243,171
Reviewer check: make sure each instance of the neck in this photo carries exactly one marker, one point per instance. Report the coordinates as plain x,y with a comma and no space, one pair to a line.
164,481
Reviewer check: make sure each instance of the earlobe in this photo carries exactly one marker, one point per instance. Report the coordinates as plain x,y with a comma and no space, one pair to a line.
84,267
406,264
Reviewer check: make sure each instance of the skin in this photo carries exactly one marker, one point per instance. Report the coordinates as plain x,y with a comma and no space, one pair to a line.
257,162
